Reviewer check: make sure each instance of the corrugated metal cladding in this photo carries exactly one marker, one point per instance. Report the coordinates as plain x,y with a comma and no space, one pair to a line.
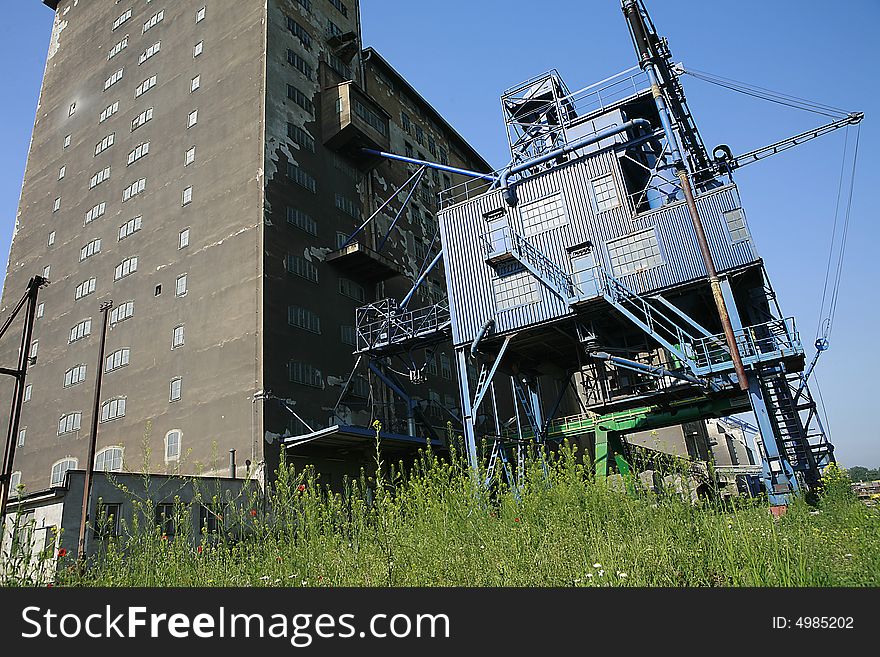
469,278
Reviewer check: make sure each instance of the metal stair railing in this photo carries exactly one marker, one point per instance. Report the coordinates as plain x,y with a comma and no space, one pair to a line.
382,323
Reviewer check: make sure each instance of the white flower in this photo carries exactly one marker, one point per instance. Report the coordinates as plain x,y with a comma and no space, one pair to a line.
621,575
601,573
847,555
590,575
303,583
264,577
597,565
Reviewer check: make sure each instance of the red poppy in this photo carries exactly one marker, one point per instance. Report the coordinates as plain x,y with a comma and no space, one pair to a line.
199,549
516,519
62,553
253,513
49,586
301,488
164,537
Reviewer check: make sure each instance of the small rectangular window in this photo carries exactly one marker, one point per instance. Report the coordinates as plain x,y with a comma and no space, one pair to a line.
145,86
46,271
85,288
198,49
141,118
51,239
129,227
126,268
736,225
183,239
300,99
605,190
134,189
180,285
72,109
118,48
101,176
61,172
200,15
348,335
304,319
515,287
542,215
28,391
66,141
97,211
105,143
113,409
22,436
301,65
193,118
90,249
189,157
195,83
352,290
121,312
109,111
301,137
122,19
80,331
117,359
114,78
138,153
635,252
149,52
175,390
302,177
40,310
301,220
154,20
305,374
177,337
301,267
187,195
56,206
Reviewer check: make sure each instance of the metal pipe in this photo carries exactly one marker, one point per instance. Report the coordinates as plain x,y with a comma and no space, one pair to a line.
421,279
510,196
232,464
649,369
431,165
488,326
93,440
18,398
714,282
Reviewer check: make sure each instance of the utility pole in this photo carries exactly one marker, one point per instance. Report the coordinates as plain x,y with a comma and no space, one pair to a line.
93,440
24,357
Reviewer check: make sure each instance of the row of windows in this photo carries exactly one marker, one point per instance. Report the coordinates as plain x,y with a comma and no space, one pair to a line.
301,137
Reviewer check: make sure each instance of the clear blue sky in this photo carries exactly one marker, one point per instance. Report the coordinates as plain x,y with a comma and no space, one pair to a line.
462,59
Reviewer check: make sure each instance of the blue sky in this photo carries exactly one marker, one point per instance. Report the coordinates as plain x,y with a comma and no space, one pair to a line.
462,59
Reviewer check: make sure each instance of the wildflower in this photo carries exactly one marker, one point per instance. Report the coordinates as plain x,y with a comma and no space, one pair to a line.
49,586
303,583
601,573
516,520
597,565
199,549
320,577
621,575
847,555
164,537
301,488
265,578
253,513
62,553
589,575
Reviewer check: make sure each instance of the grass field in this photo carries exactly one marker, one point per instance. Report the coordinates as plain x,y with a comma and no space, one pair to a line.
435,527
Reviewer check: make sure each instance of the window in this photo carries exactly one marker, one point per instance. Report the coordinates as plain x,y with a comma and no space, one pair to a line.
134,189
606,193
121,312
304,319
348,335
301,137
370,117
61,172
195,83
198,49
90,249
155,19
175,389
444,156
46,270
114,78
94,213
22,437
189,157
119,358
432,147
69,423
141,118
299,63
81,330
305,4
105,143
59,470
305,374
166,521
301,220
301,177
178,337
109,459
333,29
118,48
119,21
301,267
113,409
406,123
515,287
341,7
431,363
129,227
736,225
85,288
14,482
74,375
350,289
348,206
300,33
66,141
300,99
210,518
420,135
108,523
41,309
187,195
339,66
183,239
408,149
180,286
56,206
126,268
360,387
109,111
193,118
139,152
51,239
200,15
145,86
98,178
635,252
542,215
172,445
445,366
149,52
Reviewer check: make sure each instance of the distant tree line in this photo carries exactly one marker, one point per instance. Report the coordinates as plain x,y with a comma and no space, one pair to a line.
859,473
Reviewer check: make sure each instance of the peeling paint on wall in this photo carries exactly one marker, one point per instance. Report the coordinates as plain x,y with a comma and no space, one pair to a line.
55,41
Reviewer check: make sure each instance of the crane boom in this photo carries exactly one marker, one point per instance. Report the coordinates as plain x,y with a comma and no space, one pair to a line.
729,163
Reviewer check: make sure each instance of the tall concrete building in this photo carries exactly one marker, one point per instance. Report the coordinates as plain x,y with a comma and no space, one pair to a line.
199,163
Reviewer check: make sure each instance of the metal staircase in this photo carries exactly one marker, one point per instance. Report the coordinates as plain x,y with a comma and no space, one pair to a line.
384,324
